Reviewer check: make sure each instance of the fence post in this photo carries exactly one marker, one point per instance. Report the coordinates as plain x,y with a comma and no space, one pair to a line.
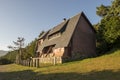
61,60
37,62
27,63
31,62
54,60
23,62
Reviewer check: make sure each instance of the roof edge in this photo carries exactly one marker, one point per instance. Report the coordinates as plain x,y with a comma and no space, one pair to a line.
82,13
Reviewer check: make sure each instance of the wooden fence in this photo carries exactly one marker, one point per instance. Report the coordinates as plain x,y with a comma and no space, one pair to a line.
36,62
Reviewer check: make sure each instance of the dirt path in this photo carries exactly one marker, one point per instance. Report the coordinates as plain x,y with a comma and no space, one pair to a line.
3,68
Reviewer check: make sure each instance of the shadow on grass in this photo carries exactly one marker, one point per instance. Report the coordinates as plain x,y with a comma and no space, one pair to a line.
110,51
30,75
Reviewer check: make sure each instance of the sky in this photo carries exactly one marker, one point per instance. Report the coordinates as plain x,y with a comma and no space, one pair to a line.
27,18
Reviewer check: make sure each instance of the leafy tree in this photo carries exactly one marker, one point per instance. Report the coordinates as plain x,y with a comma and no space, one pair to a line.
4,61
102,10
30,49
109,27
10,56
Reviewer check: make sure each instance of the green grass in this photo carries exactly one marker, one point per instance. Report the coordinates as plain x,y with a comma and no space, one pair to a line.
105,67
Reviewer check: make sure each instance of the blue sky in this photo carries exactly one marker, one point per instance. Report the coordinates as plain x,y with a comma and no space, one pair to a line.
27,18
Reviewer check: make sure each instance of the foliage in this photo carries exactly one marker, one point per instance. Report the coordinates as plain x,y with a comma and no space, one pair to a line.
109,28
102,10
30,49
18,46
4,61
9,57
41,33
27,52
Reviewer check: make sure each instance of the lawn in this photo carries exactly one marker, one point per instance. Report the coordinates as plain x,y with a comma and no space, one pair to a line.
105,67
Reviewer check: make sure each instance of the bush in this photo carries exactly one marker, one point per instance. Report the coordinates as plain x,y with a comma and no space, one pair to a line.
4,61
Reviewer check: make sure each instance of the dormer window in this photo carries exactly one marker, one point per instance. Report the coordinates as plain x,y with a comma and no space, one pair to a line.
55,35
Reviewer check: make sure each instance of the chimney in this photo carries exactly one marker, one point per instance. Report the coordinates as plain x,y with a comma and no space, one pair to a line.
64,19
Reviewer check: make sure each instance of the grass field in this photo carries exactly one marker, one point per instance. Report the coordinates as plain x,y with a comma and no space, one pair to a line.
105,67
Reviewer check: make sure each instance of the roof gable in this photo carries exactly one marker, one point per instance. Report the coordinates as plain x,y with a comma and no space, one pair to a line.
82,14
64,39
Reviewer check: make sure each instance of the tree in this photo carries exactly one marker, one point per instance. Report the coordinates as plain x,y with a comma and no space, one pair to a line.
10,57
41,33
102,10
30,49
18,46
20,52
109,27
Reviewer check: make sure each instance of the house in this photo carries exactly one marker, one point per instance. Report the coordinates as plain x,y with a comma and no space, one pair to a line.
74,38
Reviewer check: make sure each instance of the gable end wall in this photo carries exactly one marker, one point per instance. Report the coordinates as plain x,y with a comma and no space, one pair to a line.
83,40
